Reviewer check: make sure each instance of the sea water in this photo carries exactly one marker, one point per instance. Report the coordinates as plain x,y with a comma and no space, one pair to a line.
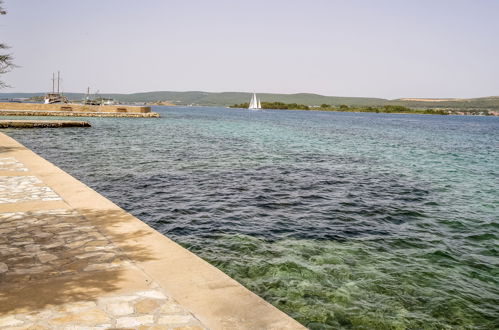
341,220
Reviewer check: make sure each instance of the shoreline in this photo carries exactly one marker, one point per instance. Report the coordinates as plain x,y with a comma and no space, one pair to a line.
459,113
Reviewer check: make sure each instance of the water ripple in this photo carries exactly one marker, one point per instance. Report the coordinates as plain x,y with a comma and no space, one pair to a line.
351,221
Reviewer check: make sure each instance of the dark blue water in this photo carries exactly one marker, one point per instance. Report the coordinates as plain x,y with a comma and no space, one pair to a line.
342,220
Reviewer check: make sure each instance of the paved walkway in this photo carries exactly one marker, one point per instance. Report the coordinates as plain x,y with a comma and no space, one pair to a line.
71,259
38,247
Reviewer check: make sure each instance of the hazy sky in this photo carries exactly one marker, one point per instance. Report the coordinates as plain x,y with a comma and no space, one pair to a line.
378,48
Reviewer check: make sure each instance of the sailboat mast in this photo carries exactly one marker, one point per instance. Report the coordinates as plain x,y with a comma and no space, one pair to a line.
58,80
53,82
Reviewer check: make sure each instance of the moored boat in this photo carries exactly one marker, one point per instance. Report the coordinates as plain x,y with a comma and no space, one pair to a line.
55,97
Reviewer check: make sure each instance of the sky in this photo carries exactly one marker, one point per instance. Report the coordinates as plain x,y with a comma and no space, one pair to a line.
371,48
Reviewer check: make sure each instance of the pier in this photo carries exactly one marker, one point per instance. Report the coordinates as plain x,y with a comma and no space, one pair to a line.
74,110
42,123
70,258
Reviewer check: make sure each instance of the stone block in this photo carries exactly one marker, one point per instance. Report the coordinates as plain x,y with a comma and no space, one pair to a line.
130,322
152,294
91,317
3,268
46,257
172,308
175,319
189,327
120,308
147,306
76,307
95,267
9,321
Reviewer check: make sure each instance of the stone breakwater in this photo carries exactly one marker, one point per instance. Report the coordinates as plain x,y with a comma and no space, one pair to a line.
77,110
74,107
78,114
41,123
71,259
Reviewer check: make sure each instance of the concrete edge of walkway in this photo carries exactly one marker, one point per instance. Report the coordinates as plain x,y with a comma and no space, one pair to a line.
217,300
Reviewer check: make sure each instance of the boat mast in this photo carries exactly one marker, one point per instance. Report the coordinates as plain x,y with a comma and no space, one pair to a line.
53,82
58,80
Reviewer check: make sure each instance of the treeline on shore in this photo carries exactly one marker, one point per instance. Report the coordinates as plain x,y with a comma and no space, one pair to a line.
344,108
275,105
201,98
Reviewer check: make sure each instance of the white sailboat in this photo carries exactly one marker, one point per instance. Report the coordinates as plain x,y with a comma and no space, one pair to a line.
255,103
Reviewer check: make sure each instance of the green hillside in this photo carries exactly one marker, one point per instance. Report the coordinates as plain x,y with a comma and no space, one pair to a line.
230,98
475,103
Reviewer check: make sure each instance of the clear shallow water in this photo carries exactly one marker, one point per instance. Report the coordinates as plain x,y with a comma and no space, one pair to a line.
342,220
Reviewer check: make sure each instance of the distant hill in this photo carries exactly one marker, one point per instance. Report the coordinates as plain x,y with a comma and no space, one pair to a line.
230,98
491,102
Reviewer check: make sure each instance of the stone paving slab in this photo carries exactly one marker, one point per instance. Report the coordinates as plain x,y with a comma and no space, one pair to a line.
71,259
14,189
151,309
51,243
11,164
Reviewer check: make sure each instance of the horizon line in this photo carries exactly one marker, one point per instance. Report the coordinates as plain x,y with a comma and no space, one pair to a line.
408,98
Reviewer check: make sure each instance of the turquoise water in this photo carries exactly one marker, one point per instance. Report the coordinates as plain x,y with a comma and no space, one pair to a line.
342,220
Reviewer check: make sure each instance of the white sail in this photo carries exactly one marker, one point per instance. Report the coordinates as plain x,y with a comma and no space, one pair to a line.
254,103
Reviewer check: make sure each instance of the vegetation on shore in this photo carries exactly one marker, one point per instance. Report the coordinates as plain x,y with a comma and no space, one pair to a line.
275,105
478,106
345,108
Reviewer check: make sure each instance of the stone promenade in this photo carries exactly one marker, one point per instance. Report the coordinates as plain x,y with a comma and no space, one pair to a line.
71,259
